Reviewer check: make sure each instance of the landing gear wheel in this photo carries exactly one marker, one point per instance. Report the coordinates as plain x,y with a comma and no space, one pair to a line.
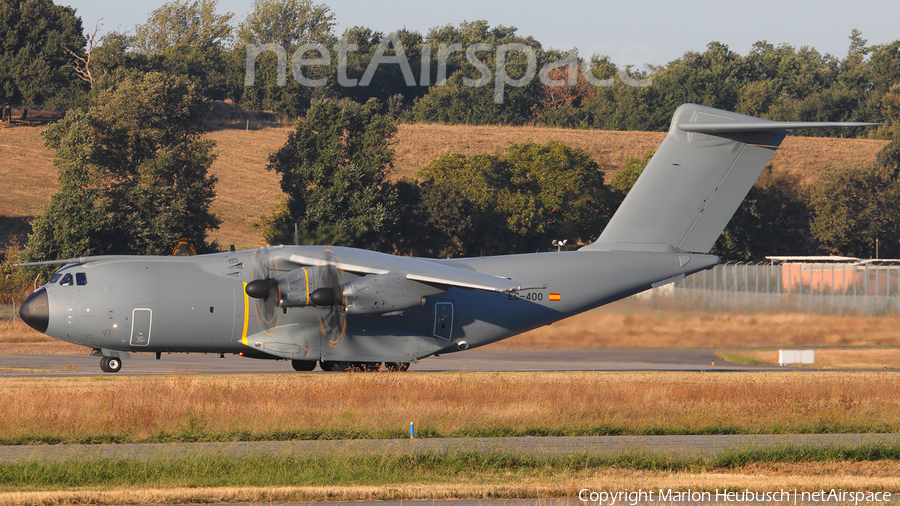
342,366
328,365
110,364
303,365
396,366
364,366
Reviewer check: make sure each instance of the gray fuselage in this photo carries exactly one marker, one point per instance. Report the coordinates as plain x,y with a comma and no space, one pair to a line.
199,304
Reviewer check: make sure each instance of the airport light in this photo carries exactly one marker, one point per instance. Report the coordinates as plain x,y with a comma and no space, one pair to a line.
559,243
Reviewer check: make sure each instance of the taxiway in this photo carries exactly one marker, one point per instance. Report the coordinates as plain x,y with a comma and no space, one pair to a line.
473,360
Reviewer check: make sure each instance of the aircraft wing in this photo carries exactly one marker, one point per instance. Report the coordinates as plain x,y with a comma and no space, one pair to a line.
472,280
414,269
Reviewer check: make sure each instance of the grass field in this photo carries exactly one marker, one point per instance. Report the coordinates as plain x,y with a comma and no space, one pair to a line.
247,191
447,476
624,325
189,407
827,358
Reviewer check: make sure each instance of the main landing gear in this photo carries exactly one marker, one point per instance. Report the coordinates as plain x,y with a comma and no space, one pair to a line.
110,364
303,365
341,366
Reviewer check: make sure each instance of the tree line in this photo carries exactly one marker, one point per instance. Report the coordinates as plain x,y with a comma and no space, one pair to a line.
43,48
134,167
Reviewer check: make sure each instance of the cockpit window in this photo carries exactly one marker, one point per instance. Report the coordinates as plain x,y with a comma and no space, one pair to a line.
80,278
66,280
55,278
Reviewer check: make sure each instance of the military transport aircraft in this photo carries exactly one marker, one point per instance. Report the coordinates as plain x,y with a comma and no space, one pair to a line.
348,308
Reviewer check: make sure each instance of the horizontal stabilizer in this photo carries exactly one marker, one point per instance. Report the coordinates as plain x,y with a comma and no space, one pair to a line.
767,126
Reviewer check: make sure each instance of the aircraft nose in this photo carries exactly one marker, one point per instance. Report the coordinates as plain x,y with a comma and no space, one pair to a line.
35,310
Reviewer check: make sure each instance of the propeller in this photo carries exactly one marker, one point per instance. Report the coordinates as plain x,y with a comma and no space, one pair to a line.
264,288
329,293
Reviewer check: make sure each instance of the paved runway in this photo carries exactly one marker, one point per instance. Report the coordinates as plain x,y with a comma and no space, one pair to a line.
704,445
473,360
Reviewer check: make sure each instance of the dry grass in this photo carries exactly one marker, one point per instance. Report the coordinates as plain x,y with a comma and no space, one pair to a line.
806,156
27,175
417,144
450,404
844,359
246,191
27,179
20,339
862,476
619,325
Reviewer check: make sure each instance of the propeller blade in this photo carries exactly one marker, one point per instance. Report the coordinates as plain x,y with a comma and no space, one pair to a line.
264,288
330,293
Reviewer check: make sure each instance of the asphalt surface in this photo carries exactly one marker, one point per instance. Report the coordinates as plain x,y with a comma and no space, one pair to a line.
704,445
473,360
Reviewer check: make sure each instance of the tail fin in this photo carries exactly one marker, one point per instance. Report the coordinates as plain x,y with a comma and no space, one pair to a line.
695,182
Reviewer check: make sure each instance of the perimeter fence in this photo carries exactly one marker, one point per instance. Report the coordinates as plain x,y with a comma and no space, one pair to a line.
861,289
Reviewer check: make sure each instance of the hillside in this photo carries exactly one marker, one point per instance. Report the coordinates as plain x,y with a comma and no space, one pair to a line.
247,191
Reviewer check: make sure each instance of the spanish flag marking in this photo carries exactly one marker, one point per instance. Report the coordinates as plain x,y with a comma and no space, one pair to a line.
554,297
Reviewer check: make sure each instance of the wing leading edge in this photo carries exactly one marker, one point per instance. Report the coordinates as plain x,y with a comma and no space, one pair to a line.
415,269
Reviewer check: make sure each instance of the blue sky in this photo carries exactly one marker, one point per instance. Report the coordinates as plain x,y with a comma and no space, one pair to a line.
630,32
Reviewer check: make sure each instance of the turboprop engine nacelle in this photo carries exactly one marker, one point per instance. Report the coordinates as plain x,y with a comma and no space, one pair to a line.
386,293
296,289
374,294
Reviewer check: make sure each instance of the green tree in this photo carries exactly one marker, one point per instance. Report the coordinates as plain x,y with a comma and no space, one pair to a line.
35,37
187,38
634,167
178,26
517,202
454,99
772,220
133,174
854,206
333,171
288,24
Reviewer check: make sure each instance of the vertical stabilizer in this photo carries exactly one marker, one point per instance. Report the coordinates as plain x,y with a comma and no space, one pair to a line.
695,182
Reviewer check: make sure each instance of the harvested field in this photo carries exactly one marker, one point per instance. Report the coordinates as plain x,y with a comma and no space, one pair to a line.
417,144
247,191
189,407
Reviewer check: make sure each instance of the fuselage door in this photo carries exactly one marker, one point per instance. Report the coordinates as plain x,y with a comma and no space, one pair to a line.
443,320
140,326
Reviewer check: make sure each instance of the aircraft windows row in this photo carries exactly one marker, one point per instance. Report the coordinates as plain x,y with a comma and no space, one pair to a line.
80,279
